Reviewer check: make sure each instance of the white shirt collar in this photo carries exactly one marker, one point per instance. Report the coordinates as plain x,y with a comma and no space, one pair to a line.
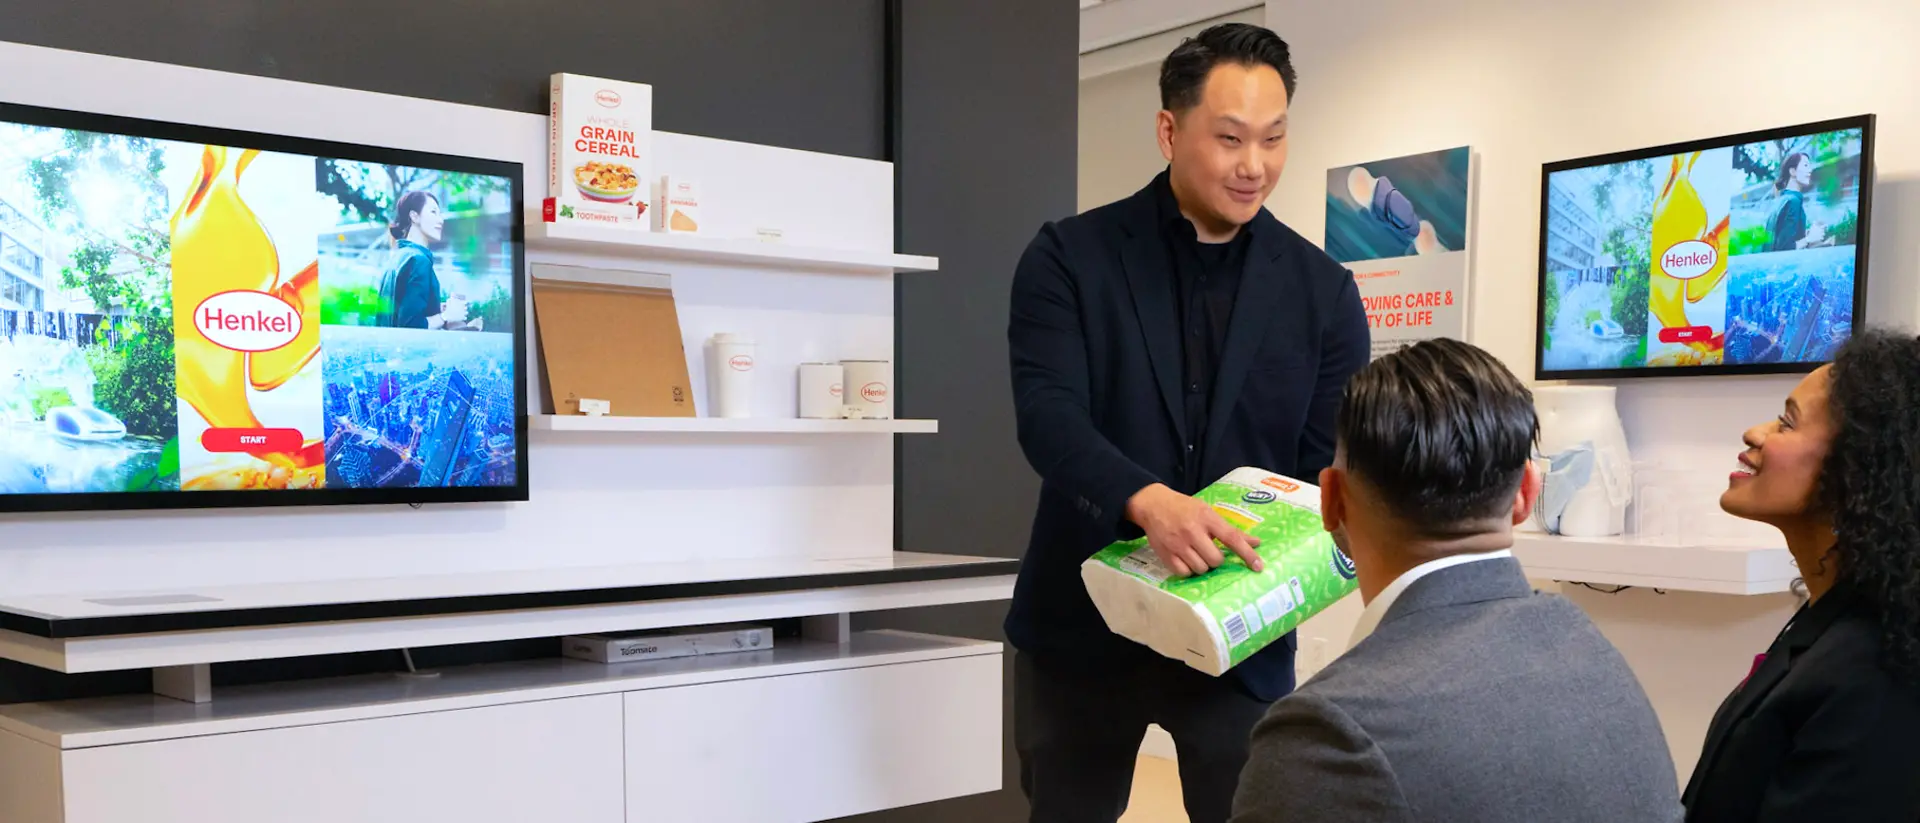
1377,610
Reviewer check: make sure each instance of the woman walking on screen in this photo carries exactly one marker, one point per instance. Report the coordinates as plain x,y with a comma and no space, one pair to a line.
410,290
1827,724
1787,229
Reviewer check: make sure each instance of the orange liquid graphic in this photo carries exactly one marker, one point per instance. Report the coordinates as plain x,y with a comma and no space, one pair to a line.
220,245
1679,216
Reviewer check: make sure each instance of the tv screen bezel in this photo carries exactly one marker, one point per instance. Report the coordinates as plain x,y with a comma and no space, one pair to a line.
513,171
1864,122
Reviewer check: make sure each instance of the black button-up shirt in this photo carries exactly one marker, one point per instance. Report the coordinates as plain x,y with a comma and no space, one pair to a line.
1206,281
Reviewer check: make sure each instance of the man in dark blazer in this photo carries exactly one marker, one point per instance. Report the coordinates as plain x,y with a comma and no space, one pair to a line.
1468,697
1157,344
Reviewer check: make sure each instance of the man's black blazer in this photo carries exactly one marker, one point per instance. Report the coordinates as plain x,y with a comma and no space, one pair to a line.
1819,731
1094,339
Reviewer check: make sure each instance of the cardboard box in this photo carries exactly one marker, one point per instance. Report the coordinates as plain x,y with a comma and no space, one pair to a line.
679,210
629,647
600,152
615,342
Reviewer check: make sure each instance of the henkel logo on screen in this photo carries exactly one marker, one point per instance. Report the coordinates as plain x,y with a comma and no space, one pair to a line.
608,98
874,392
1688,259
836,390
740,362
249,321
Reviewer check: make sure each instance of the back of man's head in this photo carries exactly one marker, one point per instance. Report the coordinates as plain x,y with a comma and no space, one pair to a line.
1439,434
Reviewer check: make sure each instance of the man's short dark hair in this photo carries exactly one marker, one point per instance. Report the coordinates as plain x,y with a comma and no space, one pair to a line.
1441,432
1184,74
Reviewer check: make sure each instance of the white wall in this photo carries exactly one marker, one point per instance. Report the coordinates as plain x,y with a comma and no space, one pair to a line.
1527,82
1118,151
1110,22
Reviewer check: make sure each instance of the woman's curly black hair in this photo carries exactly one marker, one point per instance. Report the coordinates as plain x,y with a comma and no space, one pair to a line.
1870,484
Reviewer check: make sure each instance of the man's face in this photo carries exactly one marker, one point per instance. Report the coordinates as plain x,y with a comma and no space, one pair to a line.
1227,151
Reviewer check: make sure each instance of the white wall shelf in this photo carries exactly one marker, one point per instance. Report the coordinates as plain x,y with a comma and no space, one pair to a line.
644,245
1657,564
104,631
723,425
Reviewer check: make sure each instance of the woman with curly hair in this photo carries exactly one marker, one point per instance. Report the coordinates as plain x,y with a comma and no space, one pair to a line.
1827,724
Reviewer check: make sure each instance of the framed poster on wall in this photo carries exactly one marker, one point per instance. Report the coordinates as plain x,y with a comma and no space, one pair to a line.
1401,226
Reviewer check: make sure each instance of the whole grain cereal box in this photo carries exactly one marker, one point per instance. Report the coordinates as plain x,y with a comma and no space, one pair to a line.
601,153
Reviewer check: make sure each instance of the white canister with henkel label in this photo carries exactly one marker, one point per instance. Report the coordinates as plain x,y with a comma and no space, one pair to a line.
821,390
733,369
869,386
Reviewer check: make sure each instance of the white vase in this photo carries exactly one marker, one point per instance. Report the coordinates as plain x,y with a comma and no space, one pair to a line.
1590,495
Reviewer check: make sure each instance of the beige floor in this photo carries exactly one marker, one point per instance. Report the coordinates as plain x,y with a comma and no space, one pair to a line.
1156,793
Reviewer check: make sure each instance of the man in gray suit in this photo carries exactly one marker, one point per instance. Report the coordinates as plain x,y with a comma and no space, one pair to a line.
1468,696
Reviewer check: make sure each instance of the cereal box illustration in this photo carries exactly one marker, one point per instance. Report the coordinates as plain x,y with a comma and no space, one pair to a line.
601,154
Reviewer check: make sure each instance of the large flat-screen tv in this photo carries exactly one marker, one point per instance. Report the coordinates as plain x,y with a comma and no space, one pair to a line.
195,317
1744,254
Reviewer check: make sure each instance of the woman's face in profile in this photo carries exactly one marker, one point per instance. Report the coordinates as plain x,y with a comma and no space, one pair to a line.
1803,173
431,221
1778,474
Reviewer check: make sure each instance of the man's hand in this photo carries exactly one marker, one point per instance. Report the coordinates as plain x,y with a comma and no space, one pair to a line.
1182,531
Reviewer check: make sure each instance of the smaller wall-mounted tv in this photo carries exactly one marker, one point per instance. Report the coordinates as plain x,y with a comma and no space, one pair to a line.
1744,254
195,317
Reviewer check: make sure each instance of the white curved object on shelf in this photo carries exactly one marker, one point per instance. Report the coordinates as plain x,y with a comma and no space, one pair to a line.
1584,417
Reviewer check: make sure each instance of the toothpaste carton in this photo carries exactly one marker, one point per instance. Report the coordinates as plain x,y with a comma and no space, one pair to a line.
1214,621
679,210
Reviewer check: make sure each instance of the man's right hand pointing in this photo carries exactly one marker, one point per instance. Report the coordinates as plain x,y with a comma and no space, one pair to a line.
1181,531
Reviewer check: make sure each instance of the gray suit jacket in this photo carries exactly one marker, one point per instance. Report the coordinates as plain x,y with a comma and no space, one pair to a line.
1477,700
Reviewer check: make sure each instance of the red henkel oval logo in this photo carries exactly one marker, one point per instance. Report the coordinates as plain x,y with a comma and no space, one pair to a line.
836,390
250,321
608,98
874,392
740,362
1688,259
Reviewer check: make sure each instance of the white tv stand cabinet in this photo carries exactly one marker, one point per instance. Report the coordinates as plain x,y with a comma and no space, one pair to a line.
828,725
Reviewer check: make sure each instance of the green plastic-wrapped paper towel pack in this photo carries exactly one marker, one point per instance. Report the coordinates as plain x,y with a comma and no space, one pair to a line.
1216,620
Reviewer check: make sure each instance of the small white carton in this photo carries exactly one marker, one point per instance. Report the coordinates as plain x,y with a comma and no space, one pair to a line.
600,156
679,211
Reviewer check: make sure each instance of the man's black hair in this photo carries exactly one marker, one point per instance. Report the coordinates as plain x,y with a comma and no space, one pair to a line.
1441,432
1184,74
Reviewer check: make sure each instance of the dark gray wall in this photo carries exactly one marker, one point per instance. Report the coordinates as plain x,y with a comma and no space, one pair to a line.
985,135
804,75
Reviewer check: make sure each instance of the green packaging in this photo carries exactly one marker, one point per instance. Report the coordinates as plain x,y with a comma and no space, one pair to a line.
1216,620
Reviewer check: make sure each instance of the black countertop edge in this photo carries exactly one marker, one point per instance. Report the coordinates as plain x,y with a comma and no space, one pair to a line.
56,628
